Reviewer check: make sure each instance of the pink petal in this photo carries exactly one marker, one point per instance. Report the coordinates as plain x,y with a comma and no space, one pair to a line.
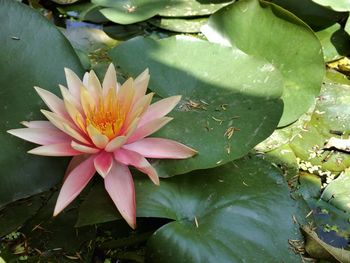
103,163
73,82
60,149
110,80
83,148
149,128
160,148
74,162
74,184
116,143
159,109
140,84
38,124
137,160
54,103
120,187
41,136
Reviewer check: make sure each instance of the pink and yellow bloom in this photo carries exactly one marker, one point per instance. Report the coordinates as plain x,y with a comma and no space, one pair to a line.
104,127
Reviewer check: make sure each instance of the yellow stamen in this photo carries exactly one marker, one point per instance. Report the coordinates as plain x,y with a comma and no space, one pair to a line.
107,117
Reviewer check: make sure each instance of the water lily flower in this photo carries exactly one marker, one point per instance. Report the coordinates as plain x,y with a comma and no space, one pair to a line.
104,127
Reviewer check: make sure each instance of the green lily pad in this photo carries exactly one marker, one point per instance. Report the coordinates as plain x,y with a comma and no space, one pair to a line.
179,24
337,192
292,47
83,12
315,15
132,11
239,211
339,5
335,42
28,57
214,103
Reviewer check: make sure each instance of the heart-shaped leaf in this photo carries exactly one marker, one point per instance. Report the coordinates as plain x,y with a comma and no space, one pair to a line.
279,37
230,101
239,211
28,57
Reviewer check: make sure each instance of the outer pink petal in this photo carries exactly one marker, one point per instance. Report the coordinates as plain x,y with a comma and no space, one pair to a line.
74,162
38,124
120,187
41,136
149,128
103,163
137,160
59,149
161,148
73,82
159,109
75,183
54,103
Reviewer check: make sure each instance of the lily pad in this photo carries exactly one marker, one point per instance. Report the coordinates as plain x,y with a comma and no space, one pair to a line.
239,211
132,11
230,100
28,57
339,5
335,42
83,12
315,15
179,24
292,47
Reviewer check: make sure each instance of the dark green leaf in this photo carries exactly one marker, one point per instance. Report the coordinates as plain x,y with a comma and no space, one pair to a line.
239,211
28,57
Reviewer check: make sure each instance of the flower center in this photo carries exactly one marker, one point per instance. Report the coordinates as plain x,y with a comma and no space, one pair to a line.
107,117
